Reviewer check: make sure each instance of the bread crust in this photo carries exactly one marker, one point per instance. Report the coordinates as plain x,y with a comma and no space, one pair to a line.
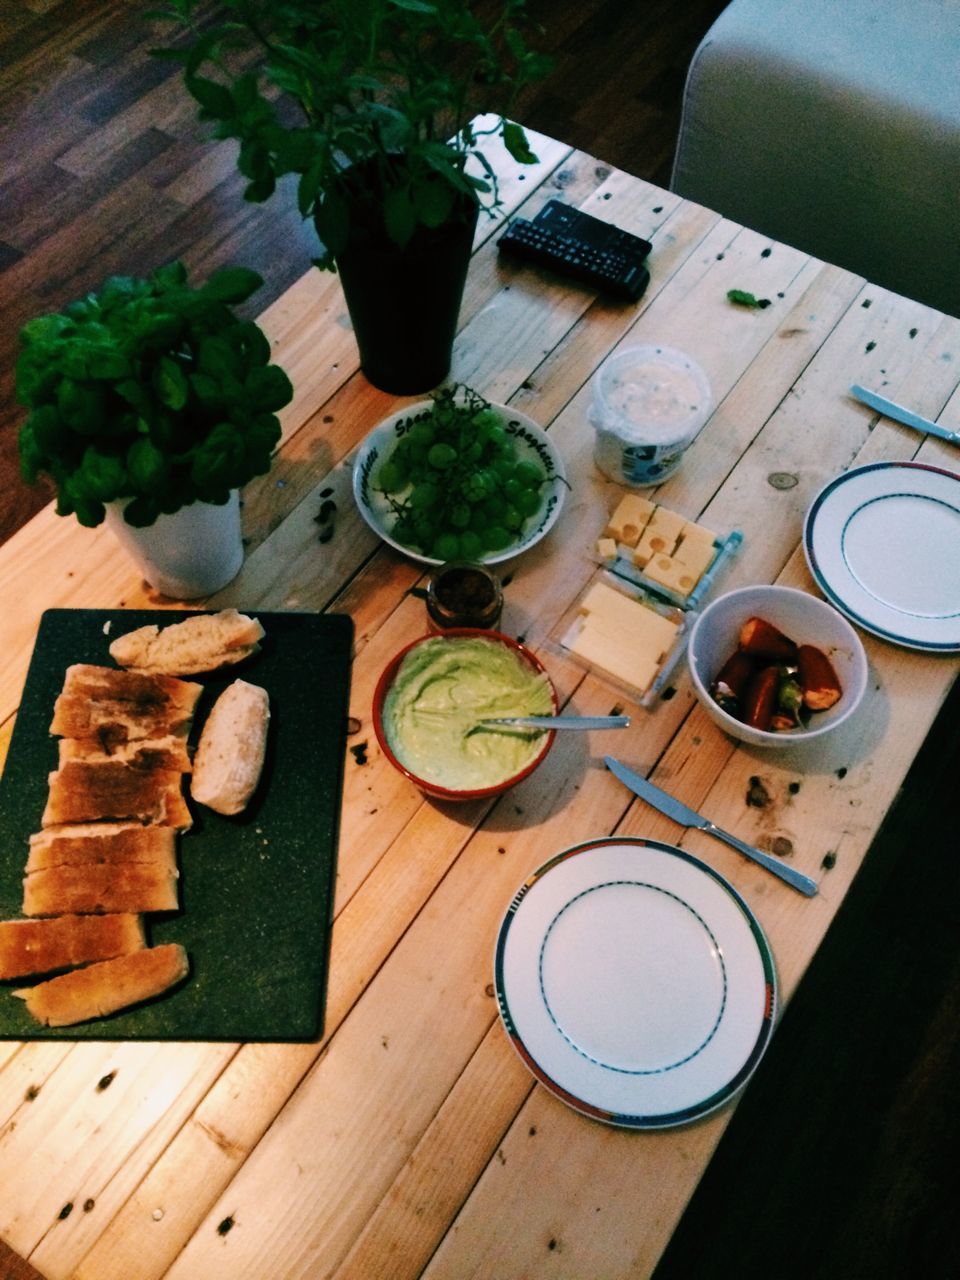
144,754
99,889
79,844
203,642
87,792
40,946
105,987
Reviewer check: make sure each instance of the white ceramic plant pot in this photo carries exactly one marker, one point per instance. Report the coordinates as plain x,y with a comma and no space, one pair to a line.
189,554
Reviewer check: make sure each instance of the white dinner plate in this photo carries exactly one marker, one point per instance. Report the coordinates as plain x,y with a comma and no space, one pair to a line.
635,983
531,443
883,543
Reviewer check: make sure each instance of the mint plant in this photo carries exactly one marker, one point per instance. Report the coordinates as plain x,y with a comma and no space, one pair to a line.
150,390
358,97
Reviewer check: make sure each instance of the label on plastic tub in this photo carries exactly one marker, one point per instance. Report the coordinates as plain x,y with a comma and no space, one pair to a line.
648,404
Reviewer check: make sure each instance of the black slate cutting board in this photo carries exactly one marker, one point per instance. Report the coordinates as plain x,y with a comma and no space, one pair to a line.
256,890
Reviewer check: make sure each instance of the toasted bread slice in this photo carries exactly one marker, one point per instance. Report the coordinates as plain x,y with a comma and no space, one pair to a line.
119,706
104,842
145,754
99,889
203,642
40,946
87,792
104,988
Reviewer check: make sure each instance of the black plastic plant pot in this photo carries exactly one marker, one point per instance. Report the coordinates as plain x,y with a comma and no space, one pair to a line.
404,305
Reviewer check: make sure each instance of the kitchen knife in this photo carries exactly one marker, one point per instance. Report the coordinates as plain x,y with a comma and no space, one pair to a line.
899,414
688,817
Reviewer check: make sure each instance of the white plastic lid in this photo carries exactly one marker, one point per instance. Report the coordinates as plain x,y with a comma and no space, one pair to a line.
651,394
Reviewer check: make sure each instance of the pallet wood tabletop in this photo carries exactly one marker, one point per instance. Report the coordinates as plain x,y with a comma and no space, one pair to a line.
411,1140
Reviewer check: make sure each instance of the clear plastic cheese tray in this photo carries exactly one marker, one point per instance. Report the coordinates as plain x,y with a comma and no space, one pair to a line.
618,652
622,565
632,650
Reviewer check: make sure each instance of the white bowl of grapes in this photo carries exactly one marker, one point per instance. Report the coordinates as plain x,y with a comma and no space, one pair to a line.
458,478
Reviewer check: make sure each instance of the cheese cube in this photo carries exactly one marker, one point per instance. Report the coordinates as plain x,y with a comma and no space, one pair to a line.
606,549
668,522
671,573
696,555
654,542
629,519
697,533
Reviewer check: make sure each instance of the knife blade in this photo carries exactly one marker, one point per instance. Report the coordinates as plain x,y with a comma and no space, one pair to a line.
687,817
905,416
557,722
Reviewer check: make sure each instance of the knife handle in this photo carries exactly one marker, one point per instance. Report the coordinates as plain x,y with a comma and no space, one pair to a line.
796,879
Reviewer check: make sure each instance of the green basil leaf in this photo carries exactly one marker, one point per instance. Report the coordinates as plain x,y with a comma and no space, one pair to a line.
250,340
215,99
399,216
268,388
218,359
742,298
49,430
218,461
515,140
147,466
31,455
308,187
253,161
84,504
333,223
170,383
433,201
232,284
260,190
135,395
108,365
207,390
36,380
171,276
141,512
43,329
104,474
80,405
245,91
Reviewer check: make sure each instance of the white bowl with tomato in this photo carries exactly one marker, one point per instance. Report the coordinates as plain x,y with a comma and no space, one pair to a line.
775,666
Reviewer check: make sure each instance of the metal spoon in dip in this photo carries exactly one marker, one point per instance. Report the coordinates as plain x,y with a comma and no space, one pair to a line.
553,722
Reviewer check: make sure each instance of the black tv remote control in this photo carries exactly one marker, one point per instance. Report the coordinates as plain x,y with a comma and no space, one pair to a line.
576,244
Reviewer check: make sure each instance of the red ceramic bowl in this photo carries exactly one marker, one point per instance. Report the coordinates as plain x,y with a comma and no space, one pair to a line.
435,789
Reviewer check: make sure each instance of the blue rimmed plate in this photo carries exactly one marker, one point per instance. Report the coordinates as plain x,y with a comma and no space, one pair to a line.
883,543
635,982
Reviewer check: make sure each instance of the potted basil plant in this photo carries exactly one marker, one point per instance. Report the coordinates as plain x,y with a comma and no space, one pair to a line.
370,102
151,404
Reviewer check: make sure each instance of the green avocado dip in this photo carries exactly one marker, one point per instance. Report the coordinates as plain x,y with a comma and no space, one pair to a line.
442,688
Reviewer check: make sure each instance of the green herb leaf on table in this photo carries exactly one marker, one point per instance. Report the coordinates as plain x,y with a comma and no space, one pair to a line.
742,298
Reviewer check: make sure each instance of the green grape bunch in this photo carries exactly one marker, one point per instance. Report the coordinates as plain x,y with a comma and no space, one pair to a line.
456,484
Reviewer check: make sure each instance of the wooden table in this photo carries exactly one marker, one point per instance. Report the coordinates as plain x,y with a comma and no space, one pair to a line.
411,1140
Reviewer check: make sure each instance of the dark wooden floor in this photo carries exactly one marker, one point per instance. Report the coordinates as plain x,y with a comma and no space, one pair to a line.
838,1162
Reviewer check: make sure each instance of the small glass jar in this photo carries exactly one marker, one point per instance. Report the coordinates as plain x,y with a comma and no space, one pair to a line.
463,594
